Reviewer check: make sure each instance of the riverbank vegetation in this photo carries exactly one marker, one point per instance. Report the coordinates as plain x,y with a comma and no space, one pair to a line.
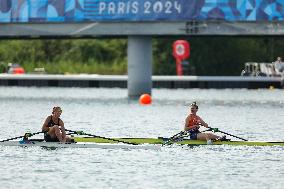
209,55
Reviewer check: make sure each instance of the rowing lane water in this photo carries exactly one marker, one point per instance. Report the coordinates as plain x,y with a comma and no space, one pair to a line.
252,114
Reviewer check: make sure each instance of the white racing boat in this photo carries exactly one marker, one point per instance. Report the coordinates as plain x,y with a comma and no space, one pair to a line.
79,145
27,142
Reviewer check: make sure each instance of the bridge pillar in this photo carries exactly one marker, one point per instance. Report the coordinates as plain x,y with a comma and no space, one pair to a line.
139,54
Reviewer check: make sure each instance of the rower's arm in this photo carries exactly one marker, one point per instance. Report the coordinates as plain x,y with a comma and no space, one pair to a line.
186,128
203,123
45,127
61,124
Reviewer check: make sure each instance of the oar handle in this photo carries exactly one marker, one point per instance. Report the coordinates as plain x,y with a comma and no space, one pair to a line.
111,139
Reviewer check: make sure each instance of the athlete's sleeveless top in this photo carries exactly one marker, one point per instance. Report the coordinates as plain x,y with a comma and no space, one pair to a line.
51,123
47,137
194,120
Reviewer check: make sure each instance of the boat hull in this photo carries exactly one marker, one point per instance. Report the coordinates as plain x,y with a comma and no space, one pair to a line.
79,145
162,140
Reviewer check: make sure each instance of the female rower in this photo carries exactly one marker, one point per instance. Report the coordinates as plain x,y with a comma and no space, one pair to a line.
192,124
53,127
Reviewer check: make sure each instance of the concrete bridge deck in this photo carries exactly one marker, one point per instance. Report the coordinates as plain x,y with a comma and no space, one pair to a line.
120,81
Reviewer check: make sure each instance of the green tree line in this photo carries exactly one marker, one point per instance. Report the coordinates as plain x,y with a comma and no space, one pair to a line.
208,56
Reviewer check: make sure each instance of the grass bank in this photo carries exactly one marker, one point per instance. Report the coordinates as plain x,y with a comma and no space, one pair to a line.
69,67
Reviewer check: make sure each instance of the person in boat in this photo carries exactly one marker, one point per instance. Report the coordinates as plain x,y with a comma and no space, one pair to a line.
192,125
53,127
279,66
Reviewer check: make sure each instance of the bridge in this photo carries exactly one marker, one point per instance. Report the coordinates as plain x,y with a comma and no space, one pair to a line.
139,21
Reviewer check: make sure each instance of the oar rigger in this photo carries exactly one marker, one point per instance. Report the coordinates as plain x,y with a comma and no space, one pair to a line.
217,130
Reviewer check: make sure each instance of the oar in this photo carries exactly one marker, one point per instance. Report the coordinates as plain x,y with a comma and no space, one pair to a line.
179,136
182,135
24,136
111,139
217,130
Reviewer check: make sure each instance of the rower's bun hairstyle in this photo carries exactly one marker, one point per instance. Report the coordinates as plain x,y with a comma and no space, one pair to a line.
194,104
55,108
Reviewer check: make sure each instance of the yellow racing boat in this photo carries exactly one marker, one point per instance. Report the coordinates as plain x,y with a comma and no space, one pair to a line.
162,140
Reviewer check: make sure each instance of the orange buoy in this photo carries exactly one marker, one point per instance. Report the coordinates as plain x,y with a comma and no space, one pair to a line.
145,99
18,70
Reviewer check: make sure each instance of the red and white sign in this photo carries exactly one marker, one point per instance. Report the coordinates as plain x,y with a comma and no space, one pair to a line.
181,49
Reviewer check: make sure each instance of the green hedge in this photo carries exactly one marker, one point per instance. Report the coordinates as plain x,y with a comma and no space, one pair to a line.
209,55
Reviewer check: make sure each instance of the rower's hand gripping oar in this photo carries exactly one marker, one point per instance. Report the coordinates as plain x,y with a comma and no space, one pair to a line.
25,136
112,139
217,130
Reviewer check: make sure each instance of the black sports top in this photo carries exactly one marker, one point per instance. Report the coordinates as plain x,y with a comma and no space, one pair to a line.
51,123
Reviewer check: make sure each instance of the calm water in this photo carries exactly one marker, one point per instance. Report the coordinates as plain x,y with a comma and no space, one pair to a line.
252,114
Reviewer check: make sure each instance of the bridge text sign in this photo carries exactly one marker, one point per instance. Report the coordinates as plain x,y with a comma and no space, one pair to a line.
140,10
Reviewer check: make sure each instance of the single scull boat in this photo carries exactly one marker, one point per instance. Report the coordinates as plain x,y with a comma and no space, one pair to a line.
41,143
162,140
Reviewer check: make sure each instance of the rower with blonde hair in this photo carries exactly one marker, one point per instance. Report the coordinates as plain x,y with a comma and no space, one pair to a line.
53,127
